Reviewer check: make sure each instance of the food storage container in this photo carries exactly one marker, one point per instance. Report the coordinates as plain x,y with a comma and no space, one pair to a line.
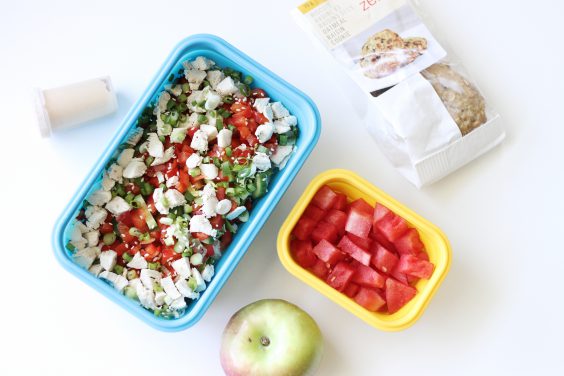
225,55
352,185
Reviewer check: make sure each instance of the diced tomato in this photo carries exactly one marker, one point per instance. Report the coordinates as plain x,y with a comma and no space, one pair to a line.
220,193
362,243
369,299
171,169
241,109
183,181
152,171
326,231
337,218
260,118
409,243
124,234
303,228
362,206
340,202
132,188
184,154
244,131
138,220
415,267
258,93
368,277
252,125
383,259
151,252
358,223
327,252
125,218
106,228
398,295
324,198
169,255
252,140
313,212
319,269
351,290
151,204
225,240
340,276
302,252
120,249
217,221
392,227
347,245
200,235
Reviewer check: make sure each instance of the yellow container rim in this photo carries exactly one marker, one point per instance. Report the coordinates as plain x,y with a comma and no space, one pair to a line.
436,244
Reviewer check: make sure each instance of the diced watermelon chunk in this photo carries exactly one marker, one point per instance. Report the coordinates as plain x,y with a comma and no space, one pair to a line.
368,277
341,275
362,243
362,206
380,212
327,252
358,223
398,294
313,212
369,299
346,245
319,269
326,231
409,243
340,202
423,256
413,266
411,280
302,251
351,290
337,218
377,236
399,276
324,198
303,228
383,259
392,227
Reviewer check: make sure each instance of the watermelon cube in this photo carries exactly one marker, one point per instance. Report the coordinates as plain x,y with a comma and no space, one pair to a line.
392,227
362,206
410,243
303,228
351,290
302,252
337,218
358,223
327,252
324,198
319,269
340,202
361,255
340,277
380,212
398,294
362,243
415,267
326,231
313,212
368,277
383,259
369,299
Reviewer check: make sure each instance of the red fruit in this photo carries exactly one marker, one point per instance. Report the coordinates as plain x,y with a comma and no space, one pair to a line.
362,243
340,276
302,253
383,259
368,277
358,223
324,198
319,269
392,227
337,218
351,290
369,299
380,212
398,294
313,212
346,245
409,243
415,267
327,252
362,206
340,202
303,228
326,231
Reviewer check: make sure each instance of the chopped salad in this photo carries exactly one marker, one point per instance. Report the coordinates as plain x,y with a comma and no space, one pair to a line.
171,200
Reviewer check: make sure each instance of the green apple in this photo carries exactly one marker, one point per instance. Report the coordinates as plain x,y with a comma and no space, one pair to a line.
271,337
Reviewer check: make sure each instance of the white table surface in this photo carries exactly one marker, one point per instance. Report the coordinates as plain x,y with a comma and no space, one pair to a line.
500,309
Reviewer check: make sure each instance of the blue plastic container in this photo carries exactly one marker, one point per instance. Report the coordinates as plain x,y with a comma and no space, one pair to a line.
309,124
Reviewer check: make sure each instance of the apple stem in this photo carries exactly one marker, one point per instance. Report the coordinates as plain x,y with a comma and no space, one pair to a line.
264,341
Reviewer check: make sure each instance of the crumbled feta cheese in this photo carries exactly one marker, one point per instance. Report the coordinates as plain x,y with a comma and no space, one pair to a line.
92,237
192,120
195,78
185,289
134,136
223,207
193,161
284,125
164,98
264,132
281,153
226,87
182,267
167,156
161,203
169,287
115,172
172,182
107,182
210,130
81,227
160,177
148,277
166,221
160,298
137,262
174,198
196,259
202,63
279,110
95,270
215,77
108,259
178,304
178,135
209,207
108,276
85,257
79,244
117,206
125,157
212,101
207,273
163,129
95,215
99,197
146,297
135,282
135,169
263,106
155,147
224,138
199,223
120,282
200,284
200,141
76,234
195,101
209,170
175,90
261,161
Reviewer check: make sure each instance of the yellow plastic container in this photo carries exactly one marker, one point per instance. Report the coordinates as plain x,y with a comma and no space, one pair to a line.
355,187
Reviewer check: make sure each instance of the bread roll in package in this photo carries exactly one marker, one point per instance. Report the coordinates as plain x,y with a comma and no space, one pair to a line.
427,116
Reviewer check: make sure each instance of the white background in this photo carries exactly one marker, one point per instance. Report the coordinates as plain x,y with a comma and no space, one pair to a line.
500,310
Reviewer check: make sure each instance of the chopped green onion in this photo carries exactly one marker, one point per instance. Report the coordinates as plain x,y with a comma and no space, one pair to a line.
130,291
192,283
135,232
195,172
173,118
147,189
185,88
70,247
182,97
188,209
154,265
202,119
187,253
228,151
228,99
170,105
248,80
229,227
162,138
157,287
129,198
244,217
144,237
188,196
131,274
262,149
109,238
118,269
127,257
